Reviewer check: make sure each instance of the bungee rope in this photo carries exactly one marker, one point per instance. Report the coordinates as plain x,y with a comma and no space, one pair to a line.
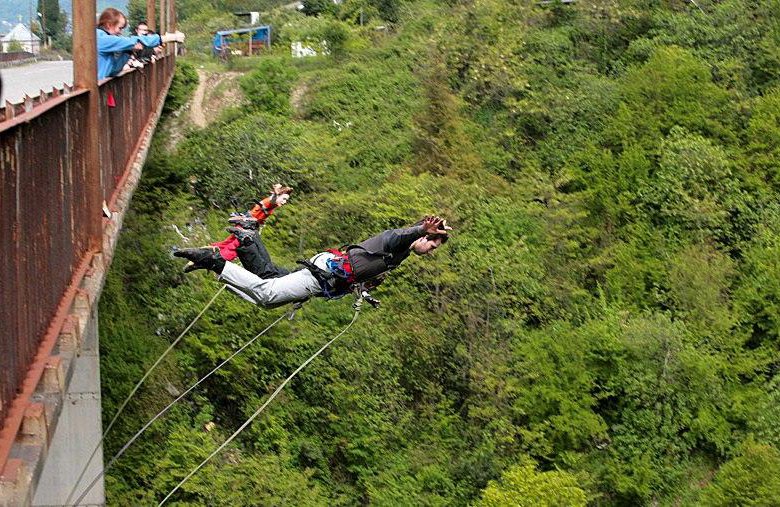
171,404
357,307
129,396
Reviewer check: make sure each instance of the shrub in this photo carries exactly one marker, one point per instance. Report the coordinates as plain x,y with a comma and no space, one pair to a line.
523,485
185,80
752,478
267,88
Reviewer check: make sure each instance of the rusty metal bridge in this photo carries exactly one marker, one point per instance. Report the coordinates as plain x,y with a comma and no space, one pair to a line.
64,156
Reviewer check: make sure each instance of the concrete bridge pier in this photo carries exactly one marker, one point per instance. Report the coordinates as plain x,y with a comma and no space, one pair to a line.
78,431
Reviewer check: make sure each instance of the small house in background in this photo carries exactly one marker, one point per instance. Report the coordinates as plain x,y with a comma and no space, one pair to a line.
244,41
22,35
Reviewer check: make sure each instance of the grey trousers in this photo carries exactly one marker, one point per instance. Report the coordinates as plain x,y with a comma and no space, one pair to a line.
271,292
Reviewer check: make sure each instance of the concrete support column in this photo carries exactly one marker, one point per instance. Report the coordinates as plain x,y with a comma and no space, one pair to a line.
78,431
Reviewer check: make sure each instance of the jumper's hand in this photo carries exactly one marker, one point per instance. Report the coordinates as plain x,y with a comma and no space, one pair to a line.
280,189
435,225
280,194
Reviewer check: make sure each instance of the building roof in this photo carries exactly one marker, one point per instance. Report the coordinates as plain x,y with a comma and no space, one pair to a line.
244,30
20,33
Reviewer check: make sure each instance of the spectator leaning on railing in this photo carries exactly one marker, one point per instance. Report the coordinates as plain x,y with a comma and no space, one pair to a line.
146,54
114,50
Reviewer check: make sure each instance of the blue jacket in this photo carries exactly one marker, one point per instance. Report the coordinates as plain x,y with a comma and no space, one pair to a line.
114,51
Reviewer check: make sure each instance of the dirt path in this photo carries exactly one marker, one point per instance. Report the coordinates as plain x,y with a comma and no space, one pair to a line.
196,108
297,96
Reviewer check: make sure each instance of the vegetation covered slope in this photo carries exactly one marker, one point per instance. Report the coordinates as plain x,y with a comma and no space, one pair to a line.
603,326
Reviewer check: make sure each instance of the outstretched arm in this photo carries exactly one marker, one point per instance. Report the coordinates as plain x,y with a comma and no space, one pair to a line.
397,240
263,209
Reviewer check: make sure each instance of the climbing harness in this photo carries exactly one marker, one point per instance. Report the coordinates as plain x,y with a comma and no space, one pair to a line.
357,306
130,442
340,265
336,281
137,386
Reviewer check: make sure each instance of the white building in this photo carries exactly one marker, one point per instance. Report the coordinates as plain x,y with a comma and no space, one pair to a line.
21,34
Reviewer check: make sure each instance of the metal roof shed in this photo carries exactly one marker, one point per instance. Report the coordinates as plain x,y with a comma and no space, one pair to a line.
254,38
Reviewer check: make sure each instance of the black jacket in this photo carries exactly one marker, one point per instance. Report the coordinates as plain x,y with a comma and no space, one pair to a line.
382,252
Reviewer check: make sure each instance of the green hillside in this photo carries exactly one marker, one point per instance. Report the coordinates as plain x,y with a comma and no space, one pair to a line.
602,328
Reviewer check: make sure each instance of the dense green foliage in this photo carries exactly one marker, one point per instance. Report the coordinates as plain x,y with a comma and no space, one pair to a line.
185,80
602,328
523,486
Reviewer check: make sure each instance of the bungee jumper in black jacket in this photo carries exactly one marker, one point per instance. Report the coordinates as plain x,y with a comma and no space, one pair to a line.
330,274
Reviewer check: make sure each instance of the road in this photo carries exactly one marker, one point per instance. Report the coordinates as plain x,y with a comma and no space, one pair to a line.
33,78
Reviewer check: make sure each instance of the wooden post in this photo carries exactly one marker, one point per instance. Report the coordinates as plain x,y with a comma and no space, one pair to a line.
172,23
150,15
85,77
151,22
163,26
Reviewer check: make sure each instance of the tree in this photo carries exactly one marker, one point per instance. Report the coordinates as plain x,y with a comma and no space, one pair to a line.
267,88
136,12
53,20
317,7
753,478
522,485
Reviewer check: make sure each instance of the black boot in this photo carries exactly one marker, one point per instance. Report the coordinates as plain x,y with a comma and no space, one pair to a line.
244,221
245,236
202,258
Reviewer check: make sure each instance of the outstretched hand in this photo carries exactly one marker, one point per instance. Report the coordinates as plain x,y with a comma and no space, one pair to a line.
435,225
280,189
281,194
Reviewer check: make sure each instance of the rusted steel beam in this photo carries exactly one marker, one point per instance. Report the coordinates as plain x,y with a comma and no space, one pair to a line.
152,22
36,112
143,141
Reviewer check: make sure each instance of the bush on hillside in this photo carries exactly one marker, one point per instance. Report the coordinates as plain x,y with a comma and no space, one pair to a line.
267,88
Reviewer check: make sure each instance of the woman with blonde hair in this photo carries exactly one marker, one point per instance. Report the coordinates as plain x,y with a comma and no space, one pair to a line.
114,49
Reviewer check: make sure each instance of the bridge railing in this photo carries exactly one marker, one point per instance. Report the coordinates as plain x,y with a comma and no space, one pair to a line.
42,174
45,213
134,97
